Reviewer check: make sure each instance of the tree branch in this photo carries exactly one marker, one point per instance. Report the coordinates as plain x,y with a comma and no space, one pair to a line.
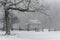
20,9
16,3
29,1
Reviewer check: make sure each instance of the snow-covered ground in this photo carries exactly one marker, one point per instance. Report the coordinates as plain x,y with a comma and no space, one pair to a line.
31,35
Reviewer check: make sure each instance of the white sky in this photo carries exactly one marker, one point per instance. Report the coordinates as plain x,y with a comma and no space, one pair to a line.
51,1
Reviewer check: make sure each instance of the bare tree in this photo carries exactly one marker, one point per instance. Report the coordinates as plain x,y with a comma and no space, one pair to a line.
10,5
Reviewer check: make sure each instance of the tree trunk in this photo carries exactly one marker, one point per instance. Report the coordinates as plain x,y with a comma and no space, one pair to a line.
7,22
28,27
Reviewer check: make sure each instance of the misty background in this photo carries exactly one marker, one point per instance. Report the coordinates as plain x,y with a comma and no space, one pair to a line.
52,21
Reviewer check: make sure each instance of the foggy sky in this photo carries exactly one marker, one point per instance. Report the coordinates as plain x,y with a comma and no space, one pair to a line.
53,21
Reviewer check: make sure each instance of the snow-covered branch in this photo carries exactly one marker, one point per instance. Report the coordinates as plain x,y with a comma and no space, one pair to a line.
21,9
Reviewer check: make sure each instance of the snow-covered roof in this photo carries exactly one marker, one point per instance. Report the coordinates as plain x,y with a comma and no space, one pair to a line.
34,22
